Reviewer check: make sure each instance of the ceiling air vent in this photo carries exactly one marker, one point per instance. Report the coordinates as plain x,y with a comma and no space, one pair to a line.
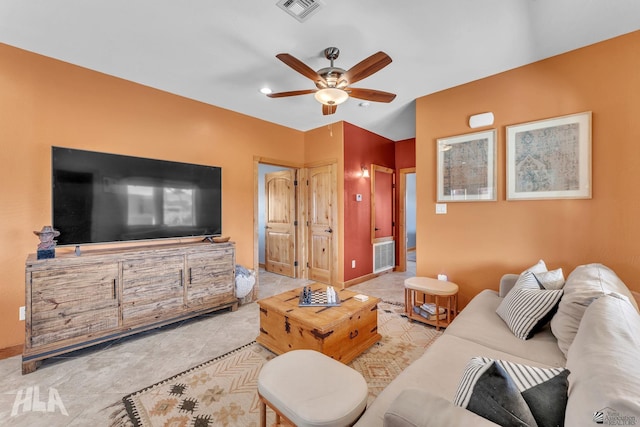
300,9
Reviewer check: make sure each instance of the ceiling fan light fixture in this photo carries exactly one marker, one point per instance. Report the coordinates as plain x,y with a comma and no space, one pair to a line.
331,96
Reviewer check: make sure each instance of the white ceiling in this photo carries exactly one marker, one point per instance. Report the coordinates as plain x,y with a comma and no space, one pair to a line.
222,53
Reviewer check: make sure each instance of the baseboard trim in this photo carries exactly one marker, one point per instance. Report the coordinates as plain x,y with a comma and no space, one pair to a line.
361,279
16,350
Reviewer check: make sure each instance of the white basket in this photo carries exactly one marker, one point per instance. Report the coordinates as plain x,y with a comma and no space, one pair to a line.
244,285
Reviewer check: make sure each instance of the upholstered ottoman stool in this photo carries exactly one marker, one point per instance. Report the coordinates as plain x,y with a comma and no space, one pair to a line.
309,389
416,292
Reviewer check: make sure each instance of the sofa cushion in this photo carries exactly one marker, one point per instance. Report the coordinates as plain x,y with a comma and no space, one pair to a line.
507,282
416,407
438,370
603,360
584,285
478,322
528,307
551,280
512,394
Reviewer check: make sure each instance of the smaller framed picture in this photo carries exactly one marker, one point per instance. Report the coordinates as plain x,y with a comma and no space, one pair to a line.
550,159
467,167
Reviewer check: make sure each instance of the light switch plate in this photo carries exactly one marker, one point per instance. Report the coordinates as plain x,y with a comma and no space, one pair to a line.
441,208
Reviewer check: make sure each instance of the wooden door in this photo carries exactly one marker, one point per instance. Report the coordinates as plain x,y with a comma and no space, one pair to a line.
321,224
382,200
280,219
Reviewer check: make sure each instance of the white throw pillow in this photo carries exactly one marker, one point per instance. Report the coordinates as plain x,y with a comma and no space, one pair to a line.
553,279
527,307
584,285
538,267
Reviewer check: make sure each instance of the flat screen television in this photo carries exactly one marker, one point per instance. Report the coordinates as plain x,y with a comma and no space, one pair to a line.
101,198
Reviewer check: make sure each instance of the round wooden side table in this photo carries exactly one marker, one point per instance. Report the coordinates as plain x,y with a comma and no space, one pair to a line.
431,301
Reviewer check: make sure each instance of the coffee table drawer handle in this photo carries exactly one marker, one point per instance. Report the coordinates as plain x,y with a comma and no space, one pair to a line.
353,334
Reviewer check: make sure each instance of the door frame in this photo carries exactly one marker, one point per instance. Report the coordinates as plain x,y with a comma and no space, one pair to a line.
300,239
302,272
402,218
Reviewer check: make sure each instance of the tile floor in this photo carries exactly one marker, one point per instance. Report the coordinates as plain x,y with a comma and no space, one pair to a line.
77,389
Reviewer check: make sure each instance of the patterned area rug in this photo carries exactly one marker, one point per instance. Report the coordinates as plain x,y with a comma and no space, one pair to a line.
223,391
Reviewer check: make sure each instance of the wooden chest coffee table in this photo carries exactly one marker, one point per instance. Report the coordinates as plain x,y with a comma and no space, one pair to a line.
341,332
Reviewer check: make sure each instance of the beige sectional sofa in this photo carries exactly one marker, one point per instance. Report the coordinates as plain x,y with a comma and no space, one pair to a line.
598,324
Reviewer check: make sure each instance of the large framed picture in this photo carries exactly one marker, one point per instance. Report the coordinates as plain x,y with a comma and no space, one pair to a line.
550,159
467,167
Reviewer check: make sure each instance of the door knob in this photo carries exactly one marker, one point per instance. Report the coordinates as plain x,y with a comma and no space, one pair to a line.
328,230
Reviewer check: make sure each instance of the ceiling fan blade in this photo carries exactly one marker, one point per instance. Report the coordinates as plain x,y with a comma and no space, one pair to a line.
328,109
368,66
291,93
299,66
371,94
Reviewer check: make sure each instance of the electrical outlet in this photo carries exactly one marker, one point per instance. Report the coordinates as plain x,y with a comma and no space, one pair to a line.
353,263
22,314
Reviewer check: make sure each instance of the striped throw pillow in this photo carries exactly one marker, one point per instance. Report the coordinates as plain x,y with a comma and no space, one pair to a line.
528,306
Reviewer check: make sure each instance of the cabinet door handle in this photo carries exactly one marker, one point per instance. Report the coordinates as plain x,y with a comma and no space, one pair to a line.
190,279
115,282
181,279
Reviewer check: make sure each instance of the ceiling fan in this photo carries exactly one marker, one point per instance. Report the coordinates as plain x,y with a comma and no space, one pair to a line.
333,83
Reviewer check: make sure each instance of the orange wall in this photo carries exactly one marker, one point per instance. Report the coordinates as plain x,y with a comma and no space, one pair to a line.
475,243
44,102
361,148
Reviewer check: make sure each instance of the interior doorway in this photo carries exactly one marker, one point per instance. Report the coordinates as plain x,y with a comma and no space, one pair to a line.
277,219
314,245
407,220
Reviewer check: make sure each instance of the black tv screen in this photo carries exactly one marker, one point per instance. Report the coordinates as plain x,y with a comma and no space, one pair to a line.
100,198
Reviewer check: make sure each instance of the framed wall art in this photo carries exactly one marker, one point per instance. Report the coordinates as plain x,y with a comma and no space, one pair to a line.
467,167
550,159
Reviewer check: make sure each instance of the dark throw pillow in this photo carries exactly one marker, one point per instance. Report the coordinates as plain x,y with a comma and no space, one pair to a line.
511,394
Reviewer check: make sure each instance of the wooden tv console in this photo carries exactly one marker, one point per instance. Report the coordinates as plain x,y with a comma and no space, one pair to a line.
78,301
